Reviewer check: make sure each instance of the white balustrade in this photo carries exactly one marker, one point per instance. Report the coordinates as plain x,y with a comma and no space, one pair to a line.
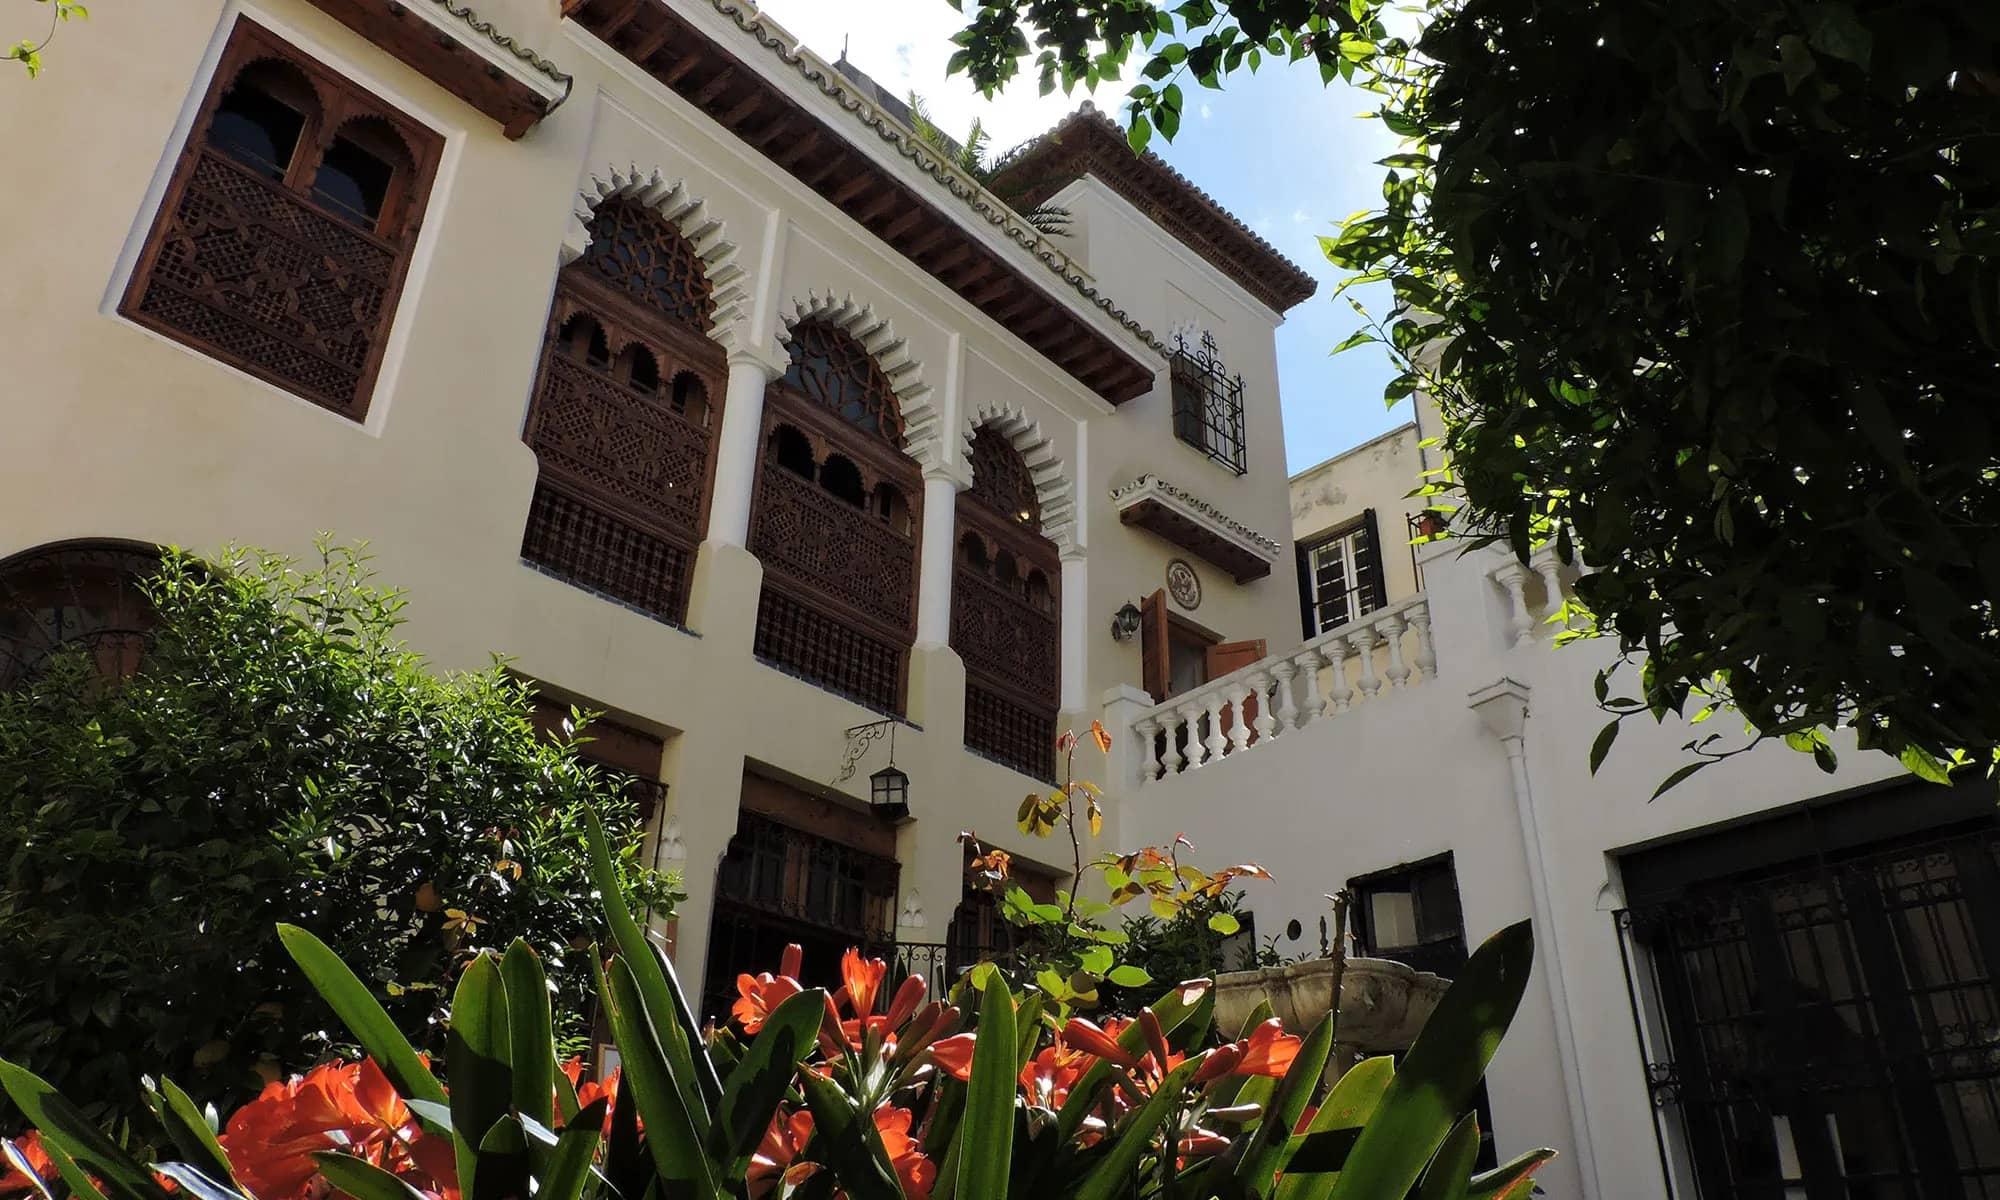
1533,593
1270,699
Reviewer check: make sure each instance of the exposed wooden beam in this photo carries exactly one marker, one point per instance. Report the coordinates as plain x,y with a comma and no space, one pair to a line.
1028,301
643,50
775,128
679,71
903,224
619,18
992,291
714,87
857,183
879,206
744,108
929,238
952,257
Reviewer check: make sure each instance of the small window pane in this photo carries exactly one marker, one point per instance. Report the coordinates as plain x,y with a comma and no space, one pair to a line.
256,129
353,181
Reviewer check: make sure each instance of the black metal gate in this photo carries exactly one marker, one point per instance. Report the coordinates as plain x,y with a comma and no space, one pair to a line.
1830,1027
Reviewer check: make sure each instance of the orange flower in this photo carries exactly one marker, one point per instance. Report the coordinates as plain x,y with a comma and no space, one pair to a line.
774,1157
758,996
347,1106
589,1091
954,1055
1269,1050
1103,1043
914,1171
861,979
1046,1079
30,1146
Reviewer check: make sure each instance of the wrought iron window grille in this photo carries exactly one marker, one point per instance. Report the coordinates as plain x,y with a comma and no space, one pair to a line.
1208,403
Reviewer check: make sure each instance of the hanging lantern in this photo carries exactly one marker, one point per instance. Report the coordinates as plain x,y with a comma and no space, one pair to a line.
889,793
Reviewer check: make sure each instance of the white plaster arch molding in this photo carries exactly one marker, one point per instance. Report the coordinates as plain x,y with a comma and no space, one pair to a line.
670,198
922,435
1054,489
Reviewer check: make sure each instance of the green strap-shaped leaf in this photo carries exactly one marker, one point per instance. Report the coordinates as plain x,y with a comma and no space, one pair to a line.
1268,1147
706,1075
1434,1084
568,1169
671,1137
366,1020
196,1184
88,1150
531,1049
648,975
362,1179
476,1051
986,1133
190,1134
1192,1033
1028,1026
80,1184
1112,1176
503,1172
1323,1147
1451,1169
565,1097
760,1080
1511,1180
841,1137
1171,1011
626,1167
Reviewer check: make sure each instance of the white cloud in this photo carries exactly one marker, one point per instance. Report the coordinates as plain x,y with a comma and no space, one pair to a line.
1300,216
1206,111
904,45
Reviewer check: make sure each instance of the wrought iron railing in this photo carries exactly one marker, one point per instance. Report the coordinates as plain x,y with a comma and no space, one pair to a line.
1208,403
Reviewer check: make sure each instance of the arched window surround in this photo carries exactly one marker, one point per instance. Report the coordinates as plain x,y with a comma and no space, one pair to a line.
840,582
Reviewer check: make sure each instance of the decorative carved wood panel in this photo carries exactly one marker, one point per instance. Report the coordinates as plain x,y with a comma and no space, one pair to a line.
835,520
637,252
1005,612
257,270
580,543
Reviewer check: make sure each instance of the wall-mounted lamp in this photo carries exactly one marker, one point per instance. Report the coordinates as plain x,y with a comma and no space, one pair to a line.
888,788
1125,623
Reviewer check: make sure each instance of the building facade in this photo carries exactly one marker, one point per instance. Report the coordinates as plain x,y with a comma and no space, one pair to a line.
1768,981
645,350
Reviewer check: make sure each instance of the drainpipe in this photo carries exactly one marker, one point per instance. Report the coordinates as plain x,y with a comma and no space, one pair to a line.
1503,708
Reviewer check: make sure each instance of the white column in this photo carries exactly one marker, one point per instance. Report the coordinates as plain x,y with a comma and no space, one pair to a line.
934,560
736,450
1512,576
1075,626
1503,708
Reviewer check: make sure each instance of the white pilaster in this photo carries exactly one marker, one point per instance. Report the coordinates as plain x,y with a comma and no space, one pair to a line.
934,560
1075,626
736,447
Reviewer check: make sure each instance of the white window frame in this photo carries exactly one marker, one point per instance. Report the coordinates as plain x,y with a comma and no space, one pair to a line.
1347,545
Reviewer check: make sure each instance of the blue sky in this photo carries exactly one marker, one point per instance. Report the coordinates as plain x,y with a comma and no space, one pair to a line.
1277,149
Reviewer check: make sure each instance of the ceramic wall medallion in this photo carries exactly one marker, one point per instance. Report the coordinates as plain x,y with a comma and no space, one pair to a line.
1183,584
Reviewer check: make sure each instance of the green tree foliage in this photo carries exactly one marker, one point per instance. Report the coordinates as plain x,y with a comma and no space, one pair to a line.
279,755
1707,292
975,156
29,53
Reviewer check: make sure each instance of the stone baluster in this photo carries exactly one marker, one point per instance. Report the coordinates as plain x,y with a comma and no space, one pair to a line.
1550,569
1363,640
1284,671
1239,725
1147,729
1520,622
1427,660
1266,722
1392,629
1310,662
1195,752
1218,742
1338,695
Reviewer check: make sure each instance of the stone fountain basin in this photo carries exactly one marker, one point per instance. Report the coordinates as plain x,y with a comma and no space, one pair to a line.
1383,1003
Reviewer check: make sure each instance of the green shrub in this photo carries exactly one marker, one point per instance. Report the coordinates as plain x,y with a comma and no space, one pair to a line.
279,755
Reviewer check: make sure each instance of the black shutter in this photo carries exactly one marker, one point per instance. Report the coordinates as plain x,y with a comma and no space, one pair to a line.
1374,587
1307,618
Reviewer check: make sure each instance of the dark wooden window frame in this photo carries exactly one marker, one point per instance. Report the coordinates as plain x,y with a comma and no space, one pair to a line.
1208,403
1366,589
1009,638
600,523
76,594
812,623
193,209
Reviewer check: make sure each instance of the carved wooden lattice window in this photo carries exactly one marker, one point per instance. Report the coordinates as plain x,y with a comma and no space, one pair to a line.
624,416
1004,612
287,226
636,251
75,596
833,370
835,523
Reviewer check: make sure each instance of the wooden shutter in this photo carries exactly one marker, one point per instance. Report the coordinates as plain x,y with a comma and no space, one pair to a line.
1374,586
1154,654
1308,619
1224,657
